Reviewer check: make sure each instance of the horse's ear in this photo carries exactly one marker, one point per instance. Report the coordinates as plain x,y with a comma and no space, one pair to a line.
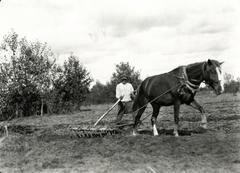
209,62
221,63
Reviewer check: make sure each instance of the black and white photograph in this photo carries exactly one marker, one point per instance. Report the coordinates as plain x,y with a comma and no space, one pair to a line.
123,86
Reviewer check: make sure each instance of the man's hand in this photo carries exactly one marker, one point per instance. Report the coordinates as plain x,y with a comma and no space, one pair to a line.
132,96
121,97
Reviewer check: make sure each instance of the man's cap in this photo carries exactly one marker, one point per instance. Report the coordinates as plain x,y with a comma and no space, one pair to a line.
124,76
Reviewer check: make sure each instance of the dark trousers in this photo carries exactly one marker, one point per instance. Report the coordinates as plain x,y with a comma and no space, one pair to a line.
123,108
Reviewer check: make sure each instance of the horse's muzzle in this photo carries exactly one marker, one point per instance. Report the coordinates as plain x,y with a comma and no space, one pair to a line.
218,89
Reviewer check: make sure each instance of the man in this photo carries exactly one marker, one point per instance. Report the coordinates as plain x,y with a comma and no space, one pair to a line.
124,92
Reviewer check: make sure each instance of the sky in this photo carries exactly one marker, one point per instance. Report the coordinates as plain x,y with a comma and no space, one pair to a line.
154,36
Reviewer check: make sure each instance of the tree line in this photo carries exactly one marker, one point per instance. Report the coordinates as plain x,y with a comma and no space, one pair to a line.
231,85
32,83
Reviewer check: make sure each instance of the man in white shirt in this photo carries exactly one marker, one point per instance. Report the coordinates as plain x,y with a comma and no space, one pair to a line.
124,91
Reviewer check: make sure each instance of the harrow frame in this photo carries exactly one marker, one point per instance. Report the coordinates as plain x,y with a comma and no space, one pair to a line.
94,131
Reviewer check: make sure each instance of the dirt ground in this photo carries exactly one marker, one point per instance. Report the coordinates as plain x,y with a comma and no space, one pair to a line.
44,144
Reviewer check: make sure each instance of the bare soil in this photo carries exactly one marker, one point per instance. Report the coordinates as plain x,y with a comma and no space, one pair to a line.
44,144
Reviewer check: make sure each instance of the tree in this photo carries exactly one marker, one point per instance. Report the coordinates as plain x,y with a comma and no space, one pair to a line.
99,94
106,93
37,59
26,74
231,86
125,68
4,89
30,79
73,82
228,78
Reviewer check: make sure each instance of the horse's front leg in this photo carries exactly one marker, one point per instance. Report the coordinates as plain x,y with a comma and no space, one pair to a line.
177,105
195,105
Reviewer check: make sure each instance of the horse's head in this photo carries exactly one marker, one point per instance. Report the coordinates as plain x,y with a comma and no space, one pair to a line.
213,76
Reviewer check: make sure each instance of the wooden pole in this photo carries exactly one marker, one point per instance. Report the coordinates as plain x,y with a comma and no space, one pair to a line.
107,112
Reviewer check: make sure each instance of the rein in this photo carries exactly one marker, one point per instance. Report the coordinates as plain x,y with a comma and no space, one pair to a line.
157,97
153,101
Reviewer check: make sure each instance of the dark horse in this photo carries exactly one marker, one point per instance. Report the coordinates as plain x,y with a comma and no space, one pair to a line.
176,87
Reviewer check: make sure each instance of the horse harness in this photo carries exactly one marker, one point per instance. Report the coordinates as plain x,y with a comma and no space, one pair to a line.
185,81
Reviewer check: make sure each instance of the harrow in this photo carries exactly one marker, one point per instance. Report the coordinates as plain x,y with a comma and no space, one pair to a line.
94,131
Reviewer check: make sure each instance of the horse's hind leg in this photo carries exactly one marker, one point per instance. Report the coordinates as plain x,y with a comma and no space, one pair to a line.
137,120
156,109
141,108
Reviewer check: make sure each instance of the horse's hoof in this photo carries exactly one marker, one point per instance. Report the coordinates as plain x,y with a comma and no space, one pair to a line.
202,130
176,134
135,133
204,126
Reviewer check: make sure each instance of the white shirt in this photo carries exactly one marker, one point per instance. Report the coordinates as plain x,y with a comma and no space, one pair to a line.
124,90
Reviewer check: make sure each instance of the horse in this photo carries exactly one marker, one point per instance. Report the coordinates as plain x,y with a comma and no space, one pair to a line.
176,87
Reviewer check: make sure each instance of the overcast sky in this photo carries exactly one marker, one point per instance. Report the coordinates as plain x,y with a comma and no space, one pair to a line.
153,36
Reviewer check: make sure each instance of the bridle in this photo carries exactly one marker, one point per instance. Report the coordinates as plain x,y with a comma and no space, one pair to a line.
206,78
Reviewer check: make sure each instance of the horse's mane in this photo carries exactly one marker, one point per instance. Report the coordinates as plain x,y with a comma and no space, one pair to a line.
196,63
213,61
189,65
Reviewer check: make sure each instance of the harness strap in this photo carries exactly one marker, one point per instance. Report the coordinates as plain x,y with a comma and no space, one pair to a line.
157,97
192,87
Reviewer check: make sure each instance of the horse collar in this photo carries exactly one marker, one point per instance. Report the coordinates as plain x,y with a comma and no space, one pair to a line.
192,87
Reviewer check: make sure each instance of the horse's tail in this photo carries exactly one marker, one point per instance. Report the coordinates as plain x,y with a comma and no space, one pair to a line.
140,100
136,98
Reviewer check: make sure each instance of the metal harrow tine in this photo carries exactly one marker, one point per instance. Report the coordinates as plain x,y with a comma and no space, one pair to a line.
93,132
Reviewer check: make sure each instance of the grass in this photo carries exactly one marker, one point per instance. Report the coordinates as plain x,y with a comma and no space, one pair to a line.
49,147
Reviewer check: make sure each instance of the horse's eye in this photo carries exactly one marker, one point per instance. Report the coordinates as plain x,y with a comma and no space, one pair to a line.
213,71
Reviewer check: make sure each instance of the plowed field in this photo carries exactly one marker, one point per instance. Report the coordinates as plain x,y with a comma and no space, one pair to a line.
44,144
